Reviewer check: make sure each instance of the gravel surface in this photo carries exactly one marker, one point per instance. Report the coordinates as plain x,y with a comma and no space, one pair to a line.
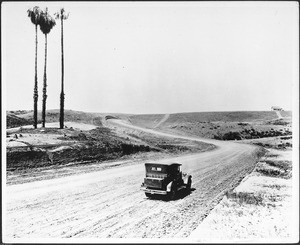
109,204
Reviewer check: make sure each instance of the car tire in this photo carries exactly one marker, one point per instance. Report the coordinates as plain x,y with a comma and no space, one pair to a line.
148,195
171,195
189,185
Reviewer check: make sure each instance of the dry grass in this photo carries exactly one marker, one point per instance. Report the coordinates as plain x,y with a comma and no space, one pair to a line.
225,116
245,197
258,210
275,168
218,125
20,118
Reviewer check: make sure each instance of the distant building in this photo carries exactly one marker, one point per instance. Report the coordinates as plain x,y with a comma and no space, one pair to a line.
276,108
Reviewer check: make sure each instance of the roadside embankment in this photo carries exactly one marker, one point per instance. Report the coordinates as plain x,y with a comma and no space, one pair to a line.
258,210
31,151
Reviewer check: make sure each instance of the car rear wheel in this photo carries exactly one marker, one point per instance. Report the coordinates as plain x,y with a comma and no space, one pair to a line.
189,185
148,195
171,195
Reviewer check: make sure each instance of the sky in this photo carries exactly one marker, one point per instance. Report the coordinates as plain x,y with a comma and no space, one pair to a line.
155,57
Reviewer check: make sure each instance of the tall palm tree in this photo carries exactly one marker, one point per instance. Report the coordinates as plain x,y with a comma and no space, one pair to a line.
34,15
46,24
62,16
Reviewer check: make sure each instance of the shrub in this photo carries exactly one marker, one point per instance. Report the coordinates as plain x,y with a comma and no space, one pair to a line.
280,122
111,117
281,146
277,168
245,197
288,144
286,137
217,137
232,136
285,165
130,148
269,171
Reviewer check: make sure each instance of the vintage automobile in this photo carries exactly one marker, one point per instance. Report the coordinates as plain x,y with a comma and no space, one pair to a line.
165,179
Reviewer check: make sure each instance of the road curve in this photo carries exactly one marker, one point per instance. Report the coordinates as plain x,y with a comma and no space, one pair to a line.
109,204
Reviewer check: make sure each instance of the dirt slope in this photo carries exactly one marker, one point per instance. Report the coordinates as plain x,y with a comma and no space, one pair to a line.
150,121
108,203
165,118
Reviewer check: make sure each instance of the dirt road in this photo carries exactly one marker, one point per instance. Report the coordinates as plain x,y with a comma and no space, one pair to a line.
109,204
278,114
165,118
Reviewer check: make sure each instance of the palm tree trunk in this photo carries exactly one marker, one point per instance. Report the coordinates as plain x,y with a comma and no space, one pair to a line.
35,91
45,86
62,95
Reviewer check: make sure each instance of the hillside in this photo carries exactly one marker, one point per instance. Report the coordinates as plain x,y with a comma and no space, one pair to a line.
25,117
235,125
207,117
16,121
86,138
145,120
218,125
19,118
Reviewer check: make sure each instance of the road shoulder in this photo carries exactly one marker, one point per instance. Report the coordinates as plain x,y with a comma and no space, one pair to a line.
258,210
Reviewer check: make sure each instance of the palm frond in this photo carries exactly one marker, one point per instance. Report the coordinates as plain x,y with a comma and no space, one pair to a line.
61,14
47,22
34,15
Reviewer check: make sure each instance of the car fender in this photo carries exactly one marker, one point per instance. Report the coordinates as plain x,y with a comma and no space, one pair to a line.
169,186
186,178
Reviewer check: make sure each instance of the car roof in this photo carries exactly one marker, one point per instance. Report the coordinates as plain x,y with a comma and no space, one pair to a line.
164,164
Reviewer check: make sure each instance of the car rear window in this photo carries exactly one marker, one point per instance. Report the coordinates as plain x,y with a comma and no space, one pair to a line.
159,169
155,168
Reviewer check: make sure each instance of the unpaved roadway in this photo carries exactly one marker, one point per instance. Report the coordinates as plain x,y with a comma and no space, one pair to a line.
109,204
278,114
165,118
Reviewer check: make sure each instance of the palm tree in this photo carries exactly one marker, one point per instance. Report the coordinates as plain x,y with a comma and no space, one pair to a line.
62,16
46,24
34,15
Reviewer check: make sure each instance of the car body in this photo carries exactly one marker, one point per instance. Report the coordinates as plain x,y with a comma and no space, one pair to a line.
165,179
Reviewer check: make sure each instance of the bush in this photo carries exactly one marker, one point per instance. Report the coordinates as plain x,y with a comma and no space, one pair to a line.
280,122
217,137
245,197
285,165
288,144
111,117
286,137
128,149
277,168
232,136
